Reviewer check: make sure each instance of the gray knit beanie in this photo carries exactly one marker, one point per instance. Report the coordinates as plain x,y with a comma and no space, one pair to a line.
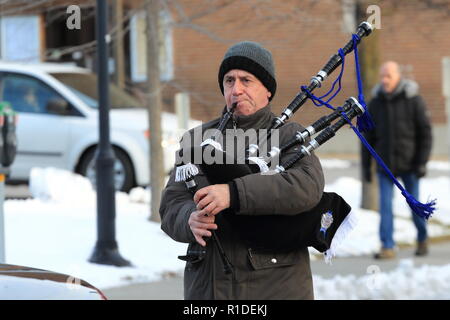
251,57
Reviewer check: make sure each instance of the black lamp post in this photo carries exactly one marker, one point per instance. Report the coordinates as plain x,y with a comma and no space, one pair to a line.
106,250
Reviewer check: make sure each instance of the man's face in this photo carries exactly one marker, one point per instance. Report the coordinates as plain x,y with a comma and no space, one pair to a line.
244,88
389,76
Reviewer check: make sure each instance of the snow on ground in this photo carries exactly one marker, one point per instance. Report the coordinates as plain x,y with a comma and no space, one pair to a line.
331,163
57,231
438,165
404,283
335,163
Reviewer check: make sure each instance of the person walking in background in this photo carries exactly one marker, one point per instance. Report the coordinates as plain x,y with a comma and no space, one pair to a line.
402,137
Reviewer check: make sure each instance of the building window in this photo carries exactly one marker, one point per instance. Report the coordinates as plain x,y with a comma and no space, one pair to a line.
138,47
20,38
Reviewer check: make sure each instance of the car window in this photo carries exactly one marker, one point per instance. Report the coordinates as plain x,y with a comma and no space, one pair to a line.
86,99
27,94
84,85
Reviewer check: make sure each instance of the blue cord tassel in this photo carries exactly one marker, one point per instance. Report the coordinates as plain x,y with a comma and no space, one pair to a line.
364,122
422,210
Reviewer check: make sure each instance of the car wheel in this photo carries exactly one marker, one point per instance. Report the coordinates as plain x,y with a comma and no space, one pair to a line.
123,169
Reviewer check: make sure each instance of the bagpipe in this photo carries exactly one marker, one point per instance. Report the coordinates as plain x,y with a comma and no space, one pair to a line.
322,227
317,227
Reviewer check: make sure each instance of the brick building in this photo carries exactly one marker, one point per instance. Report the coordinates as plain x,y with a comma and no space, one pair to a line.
302,42
302,35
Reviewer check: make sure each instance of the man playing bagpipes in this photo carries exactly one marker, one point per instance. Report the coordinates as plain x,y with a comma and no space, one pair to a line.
247,81
249,226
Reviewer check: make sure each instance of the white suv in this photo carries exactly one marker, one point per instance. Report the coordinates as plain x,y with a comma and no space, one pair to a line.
58,123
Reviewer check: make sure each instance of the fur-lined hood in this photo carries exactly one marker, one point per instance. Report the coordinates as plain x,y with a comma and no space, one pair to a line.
409,87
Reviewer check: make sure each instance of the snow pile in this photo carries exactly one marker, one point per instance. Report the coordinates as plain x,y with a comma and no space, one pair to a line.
335,163
61,238
405,282
52,184
140,195
438,165
57,231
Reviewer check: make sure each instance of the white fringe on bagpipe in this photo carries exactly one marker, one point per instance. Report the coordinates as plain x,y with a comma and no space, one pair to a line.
344,229
185,172
260,162
213,143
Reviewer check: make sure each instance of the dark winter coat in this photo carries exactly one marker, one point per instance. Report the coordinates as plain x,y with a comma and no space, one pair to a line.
258,275
402,135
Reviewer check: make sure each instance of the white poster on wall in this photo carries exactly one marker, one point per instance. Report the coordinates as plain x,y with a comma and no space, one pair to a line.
20,38
138,47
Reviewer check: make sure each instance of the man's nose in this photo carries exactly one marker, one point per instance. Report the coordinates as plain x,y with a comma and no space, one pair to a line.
237,88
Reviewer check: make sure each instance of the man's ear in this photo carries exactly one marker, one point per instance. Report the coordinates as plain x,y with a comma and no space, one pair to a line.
269,94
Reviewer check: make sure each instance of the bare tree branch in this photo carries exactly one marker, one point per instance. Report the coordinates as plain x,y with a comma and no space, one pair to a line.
23,8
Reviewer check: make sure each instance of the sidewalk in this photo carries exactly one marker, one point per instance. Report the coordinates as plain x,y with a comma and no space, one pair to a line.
172,288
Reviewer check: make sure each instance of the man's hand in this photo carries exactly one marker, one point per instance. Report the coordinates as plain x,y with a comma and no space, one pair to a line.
213,199
210,201
199,224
